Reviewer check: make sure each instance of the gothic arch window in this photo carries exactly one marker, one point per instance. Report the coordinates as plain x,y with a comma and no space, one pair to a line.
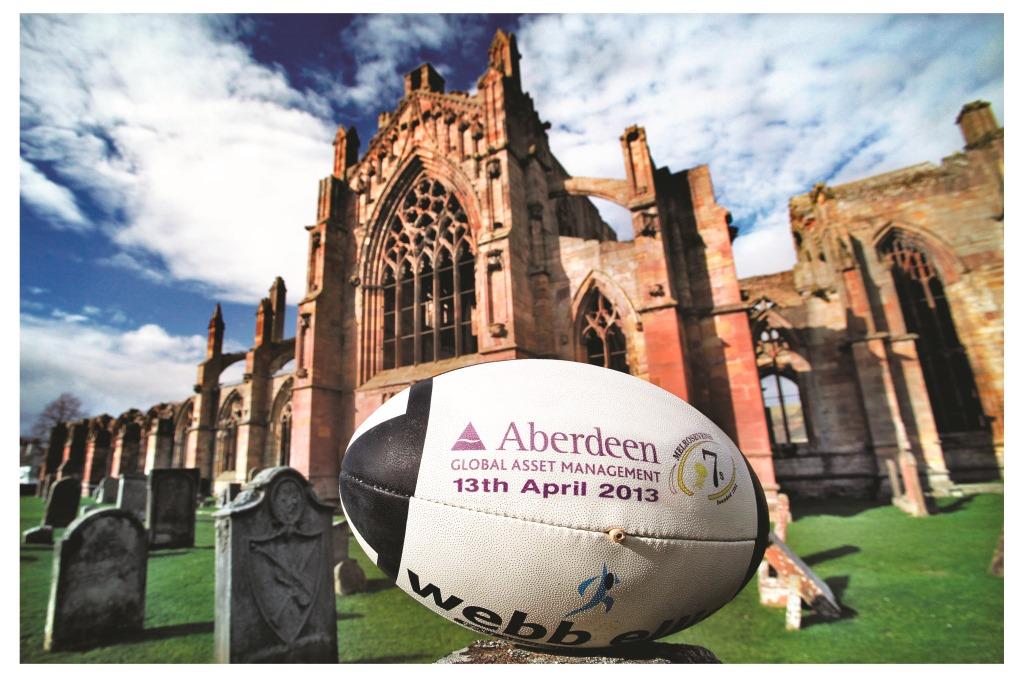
783,406
601,333
227,434
181,437
926,313
428,284
284,444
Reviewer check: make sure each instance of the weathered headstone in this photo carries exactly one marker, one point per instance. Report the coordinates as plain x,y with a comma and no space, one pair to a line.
62,508
339,536
228,494
171,507
349,577
39,535
106,490
273,600
131,495
98,588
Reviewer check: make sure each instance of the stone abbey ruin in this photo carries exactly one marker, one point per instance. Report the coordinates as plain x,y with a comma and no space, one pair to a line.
873,368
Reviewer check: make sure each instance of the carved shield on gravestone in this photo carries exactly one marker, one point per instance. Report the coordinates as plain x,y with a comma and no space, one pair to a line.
285,570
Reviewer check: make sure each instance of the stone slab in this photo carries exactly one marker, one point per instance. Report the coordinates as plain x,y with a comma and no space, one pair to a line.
131,495
274,601
39,535
349,578
106,490
813,590
500,652
171,507
62,507
98,588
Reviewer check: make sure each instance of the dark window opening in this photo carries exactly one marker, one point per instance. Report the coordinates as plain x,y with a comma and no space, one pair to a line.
952,390
603,339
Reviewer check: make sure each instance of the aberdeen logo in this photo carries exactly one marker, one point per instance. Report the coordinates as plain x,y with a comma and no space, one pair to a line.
602,584
703,467
469,440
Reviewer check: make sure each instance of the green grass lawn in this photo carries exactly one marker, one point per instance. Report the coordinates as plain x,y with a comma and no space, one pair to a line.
913,590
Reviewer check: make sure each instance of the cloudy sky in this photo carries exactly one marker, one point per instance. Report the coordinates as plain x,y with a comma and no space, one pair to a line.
171,162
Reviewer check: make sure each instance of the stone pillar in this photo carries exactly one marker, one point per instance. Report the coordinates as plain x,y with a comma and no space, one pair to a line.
97,454
915,401
274,600
159,443
324,359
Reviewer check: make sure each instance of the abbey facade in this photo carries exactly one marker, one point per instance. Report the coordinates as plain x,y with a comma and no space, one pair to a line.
457,238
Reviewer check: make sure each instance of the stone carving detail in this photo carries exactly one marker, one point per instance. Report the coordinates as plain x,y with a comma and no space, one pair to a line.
494,260
99,581
429,217
493,169
497,329
656,290
650,224
274,601
171,507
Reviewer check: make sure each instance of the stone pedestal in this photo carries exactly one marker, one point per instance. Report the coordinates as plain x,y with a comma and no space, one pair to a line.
500,652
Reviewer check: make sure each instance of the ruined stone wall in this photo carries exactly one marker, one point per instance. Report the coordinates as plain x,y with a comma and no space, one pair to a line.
865,390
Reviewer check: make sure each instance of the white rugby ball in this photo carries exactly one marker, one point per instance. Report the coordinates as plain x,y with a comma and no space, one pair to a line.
555,504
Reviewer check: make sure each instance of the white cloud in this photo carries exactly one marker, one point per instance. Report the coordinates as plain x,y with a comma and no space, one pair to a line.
383,44
51,200
773,103
201,157
111,370
91,310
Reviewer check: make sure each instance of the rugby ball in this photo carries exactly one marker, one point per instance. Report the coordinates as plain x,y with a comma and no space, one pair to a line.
555,504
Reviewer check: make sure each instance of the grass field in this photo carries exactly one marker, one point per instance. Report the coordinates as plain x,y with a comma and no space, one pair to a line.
913,590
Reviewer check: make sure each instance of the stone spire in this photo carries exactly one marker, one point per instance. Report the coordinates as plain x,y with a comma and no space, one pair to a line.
277,303
346,150
215,334
504,56
264,322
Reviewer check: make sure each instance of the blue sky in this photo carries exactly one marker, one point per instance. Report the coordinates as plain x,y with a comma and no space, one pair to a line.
171,162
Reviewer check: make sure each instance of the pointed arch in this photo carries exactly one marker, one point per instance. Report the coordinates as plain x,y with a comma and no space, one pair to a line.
278,442
950,266
920,275
228,419
604,324
419,264
183,420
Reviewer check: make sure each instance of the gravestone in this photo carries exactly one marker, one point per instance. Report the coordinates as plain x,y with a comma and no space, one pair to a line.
273,600
171,507
62,508
349,577
106,490
39,535
98,588
131,495
228,494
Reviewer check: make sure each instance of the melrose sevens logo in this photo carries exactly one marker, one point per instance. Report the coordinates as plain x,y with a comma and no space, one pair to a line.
469,440
703,466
